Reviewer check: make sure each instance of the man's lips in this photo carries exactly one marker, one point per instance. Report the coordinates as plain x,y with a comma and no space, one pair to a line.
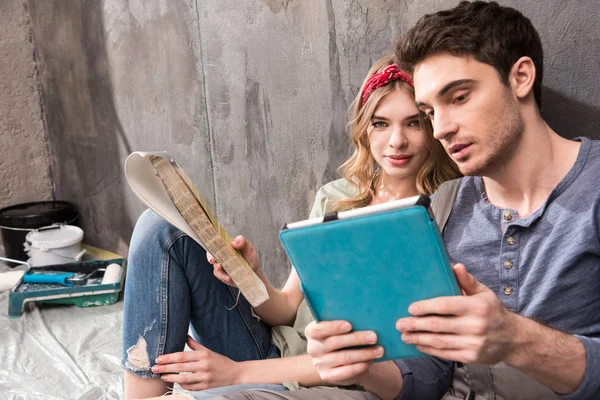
459,150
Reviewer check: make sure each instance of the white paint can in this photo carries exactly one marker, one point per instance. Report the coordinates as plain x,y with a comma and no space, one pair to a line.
55,244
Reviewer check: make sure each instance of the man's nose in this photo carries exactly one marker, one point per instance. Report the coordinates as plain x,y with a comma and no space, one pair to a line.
443,126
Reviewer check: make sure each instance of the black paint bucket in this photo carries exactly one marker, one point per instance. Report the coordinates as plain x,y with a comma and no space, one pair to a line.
18,220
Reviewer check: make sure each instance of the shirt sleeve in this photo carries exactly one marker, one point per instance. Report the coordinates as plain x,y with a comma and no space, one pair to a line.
590,386
425,377
318,208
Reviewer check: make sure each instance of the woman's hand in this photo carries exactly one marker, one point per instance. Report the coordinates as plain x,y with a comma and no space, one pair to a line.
245,248
199,369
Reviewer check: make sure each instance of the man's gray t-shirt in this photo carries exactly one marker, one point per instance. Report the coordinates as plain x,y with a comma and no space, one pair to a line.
545,266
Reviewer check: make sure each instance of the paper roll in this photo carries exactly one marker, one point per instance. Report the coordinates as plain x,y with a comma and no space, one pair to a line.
112,274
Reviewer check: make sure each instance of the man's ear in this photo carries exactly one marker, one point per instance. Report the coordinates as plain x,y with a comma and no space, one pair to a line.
522,77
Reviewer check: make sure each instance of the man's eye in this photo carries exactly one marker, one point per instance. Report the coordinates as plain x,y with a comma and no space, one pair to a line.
429,114
461,98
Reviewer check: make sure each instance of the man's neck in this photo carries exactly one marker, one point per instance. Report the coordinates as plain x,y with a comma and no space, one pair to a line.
540,162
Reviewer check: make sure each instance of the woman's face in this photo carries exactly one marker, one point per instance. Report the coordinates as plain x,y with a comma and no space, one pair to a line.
396,138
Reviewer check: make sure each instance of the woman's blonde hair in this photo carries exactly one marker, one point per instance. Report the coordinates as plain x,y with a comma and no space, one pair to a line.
361,168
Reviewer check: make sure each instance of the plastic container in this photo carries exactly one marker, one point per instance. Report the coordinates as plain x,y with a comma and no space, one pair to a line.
57,244
18,220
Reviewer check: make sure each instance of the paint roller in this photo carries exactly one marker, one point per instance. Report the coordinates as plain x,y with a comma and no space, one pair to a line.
9,279
111,274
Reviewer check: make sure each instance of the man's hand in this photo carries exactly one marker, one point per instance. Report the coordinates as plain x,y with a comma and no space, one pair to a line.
246,249
474,329
199,369
336,365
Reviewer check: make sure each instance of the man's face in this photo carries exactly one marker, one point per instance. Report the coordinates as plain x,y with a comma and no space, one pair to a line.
474,115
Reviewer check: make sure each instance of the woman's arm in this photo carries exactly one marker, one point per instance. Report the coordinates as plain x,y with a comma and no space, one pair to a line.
282,306
278,370
204,369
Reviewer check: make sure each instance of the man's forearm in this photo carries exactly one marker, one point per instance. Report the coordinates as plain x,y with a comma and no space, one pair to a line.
384,379
553,358
278,370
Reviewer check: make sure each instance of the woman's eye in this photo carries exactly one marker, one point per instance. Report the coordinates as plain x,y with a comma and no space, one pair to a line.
379,124
415,124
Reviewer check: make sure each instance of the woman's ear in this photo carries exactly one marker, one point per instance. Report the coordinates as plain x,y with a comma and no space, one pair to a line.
522,77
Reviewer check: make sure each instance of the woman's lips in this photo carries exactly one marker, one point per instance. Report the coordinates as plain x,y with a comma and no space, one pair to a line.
399,160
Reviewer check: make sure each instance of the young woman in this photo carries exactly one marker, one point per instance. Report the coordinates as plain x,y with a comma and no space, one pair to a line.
170,287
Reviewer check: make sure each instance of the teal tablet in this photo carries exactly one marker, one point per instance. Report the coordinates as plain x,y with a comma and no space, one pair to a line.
366,266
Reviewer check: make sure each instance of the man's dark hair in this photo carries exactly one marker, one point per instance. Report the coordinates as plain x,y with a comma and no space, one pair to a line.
488,32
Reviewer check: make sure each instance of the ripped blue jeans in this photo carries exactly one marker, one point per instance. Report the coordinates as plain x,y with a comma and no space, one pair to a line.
170,288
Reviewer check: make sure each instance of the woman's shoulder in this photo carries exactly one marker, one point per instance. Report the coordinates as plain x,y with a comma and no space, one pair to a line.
332,191
338,189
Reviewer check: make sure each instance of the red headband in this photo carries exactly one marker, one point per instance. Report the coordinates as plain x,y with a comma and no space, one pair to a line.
383,78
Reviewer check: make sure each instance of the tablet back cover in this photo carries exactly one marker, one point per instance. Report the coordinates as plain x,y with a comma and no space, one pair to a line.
367,270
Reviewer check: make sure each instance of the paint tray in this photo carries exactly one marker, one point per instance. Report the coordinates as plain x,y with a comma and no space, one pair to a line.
85,295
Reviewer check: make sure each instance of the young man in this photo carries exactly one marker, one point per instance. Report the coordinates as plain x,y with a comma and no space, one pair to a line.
524,228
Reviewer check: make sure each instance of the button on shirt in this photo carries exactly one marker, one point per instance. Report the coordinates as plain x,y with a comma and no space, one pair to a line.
545,266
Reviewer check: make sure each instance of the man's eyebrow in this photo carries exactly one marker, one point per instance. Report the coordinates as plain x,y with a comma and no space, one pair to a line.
453,84
446,88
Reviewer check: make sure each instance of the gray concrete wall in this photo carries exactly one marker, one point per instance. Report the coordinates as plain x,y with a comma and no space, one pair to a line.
249,97
24,163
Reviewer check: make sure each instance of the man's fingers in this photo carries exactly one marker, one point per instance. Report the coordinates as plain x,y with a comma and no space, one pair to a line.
467,282
321,330
448,354
443,341
449,305
442,324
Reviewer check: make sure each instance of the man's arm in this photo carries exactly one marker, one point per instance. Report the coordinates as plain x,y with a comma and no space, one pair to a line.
553,358
478,329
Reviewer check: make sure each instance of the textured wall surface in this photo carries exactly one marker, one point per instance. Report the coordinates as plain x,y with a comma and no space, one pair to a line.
249,97
24,164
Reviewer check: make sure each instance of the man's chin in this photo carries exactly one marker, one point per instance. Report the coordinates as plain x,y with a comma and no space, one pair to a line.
470,168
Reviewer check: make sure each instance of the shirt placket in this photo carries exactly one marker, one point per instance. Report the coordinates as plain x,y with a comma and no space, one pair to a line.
509,259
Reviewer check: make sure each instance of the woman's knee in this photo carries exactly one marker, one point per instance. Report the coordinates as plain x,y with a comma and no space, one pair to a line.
152,228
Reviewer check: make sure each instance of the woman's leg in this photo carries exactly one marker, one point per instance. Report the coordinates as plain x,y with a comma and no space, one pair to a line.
170,284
